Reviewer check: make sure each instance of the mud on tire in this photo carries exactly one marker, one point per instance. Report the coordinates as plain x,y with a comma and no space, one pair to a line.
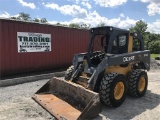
68,73
137,83
107,89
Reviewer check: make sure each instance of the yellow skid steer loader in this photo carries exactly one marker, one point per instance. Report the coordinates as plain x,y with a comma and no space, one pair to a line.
115,64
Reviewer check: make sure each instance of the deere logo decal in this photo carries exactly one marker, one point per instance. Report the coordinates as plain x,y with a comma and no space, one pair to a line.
127,59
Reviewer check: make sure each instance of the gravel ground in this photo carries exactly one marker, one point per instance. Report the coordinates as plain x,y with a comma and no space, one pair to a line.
16,103
155,64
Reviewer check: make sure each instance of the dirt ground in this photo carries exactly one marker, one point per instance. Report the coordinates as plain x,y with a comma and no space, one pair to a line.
16,103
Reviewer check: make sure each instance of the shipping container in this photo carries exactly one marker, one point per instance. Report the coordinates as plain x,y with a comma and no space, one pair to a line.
27,47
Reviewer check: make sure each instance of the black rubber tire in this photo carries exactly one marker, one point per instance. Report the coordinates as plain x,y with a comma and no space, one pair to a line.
134,77
107,86
68,73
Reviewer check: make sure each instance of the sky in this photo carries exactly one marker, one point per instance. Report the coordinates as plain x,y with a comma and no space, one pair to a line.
117,13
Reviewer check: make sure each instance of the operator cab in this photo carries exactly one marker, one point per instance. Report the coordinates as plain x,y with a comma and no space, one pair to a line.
106,41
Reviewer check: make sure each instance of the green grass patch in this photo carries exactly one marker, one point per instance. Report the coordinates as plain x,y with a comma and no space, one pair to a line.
154,55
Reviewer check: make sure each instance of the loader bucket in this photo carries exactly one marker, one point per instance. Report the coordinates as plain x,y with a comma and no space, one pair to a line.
67,100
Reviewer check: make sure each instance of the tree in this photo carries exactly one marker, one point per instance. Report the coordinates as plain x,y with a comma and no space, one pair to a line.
74,25
13,17
59,24
154,47
85,26
153,43
43,20
101,24
140,27
24,16
151,40
36,20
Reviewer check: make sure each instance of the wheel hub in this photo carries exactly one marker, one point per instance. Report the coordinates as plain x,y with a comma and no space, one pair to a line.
141,84
119,90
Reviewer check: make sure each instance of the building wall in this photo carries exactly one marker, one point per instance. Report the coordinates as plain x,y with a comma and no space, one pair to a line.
65,42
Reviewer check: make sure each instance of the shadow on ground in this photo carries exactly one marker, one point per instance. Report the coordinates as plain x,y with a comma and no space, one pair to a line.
131,107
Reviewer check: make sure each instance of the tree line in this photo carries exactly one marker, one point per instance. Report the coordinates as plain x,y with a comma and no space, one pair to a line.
151,40
26,17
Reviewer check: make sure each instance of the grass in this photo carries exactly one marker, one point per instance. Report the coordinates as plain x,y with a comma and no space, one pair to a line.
154,55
